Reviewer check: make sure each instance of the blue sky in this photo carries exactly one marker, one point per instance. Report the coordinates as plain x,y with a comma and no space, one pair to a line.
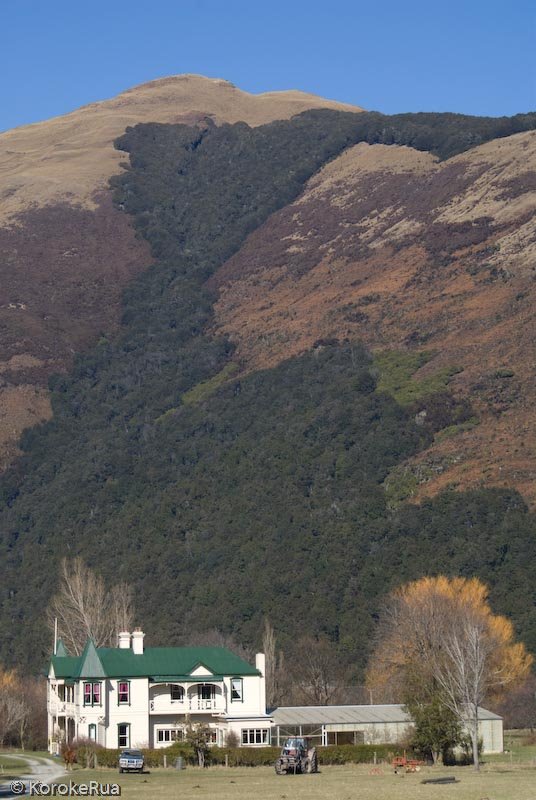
476,56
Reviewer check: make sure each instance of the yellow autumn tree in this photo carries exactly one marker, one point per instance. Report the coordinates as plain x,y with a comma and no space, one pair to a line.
439,636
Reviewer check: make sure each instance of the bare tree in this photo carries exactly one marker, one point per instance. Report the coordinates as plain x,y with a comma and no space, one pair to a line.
33,728
13,711
275,671
84,607
22,709
468,670
315,671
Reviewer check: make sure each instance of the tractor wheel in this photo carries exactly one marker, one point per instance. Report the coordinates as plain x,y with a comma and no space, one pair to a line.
306,766
314,762
279,768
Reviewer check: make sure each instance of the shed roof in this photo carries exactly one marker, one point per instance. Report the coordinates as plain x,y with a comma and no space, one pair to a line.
365,714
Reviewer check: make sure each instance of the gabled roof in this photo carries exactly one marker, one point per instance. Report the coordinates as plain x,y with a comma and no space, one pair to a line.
160,662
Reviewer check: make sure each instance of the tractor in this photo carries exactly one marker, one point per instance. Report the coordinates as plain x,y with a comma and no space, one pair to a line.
297,756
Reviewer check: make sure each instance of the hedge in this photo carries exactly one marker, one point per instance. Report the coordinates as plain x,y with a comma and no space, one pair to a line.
240,756
332,754
357,753
153,757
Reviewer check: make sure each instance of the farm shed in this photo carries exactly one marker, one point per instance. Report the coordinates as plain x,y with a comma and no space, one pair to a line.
368,724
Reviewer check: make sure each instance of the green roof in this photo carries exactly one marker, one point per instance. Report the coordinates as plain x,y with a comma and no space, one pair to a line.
90,663
189,678
164,663
61,650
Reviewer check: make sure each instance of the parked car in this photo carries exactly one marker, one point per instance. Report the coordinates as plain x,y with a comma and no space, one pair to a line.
131,761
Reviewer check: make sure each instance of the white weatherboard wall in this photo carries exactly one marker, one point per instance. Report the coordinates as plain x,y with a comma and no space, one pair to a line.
133,713
91,715
491,732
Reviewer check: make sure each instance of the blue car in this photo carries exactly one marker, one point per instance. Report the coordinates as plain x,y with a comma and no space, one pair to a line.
131,761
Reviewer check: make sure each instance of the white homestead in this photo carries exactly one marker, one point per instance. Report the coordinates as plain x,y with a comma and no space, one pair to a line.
130,696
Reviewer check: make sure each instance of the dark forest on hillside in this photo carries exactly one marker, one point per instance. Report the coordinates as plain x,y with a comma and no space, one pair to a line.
223,497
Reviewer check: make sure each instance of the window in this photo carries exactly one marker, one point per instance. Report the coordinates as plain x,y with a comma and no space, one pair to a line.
92,694
255,736
92,732
123,692
123,735
236,690
169,735
206,691
177,693
212,736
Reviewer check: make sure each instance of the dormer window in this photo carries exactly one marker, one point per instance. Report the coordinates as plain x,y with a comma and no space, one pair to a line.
177,693
236,690
92,694
123,693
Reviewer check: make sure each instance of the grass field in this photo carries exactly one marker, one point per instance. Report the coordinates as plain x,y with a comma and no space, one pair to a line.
10,768
510,776
337,783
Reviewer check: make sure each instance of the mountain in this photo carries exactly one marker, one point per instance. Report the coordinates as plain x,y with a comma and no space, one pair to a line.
66,251
315,326
390,246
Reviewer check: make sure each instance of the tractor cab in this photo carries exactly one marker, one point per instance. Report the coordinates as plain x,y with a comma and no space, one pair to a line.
295,746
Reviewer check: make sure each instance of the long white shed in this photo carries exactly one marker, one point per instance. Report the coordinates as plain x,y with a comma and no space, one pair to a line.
368,724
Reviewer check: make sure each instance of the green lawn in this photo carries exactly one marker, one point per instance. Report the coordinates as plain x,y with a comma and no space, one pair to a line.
10,768
14,767
517,752
496,782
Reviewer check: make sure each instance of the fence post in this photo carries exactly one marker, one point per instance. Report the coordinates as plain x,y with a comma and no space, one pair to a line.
226,759
165,761
375,758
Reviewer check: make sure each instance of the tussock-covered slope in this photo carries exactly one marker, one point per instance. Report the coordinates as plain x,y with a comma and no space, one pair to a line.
388,245
69,158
